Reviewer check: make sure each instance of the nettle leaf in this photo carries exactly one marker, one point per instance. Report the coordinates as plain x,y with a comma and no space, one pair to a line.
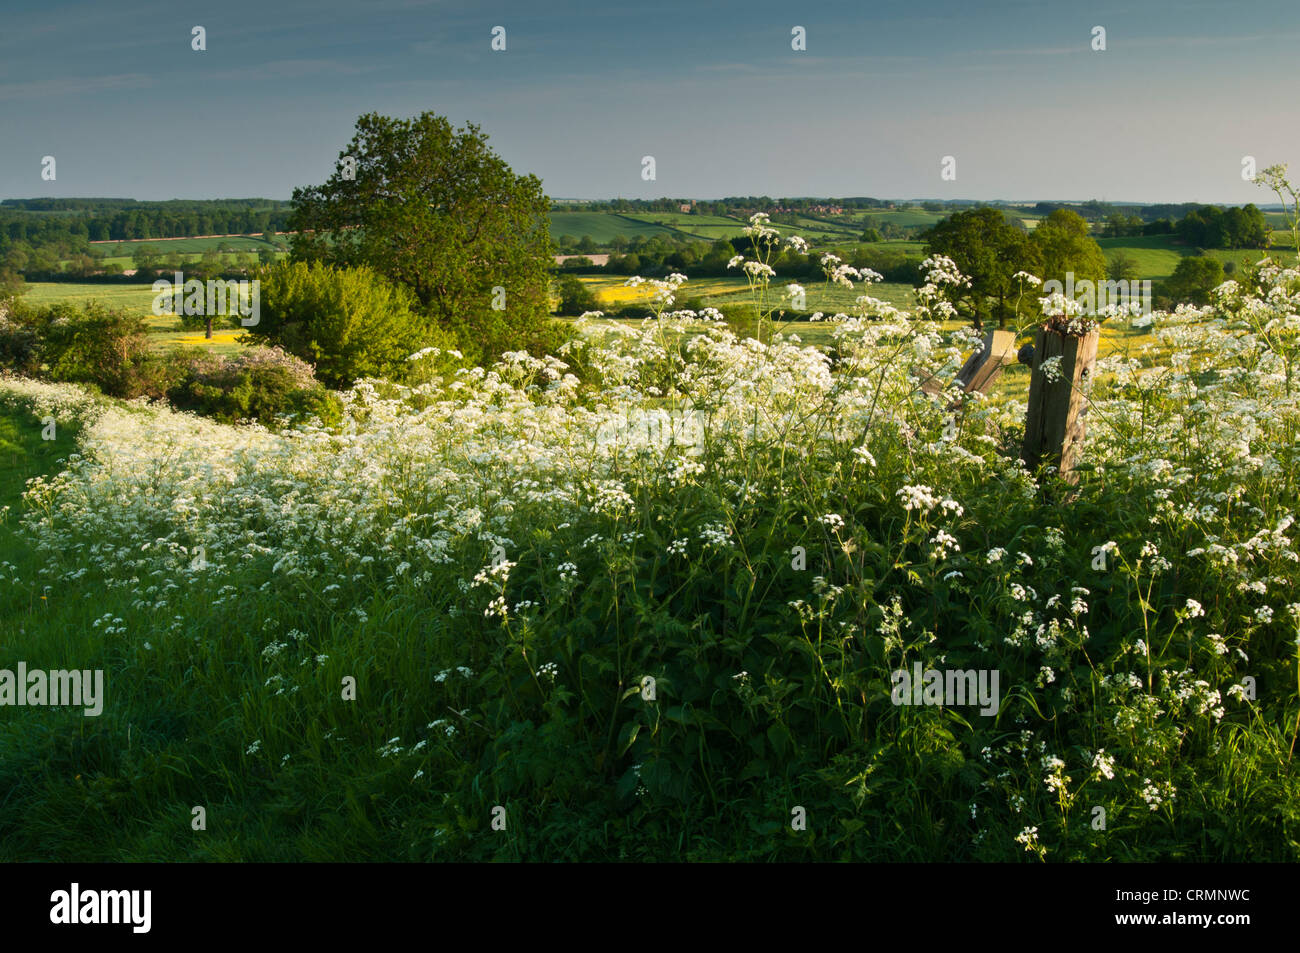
627,784
627,737
779,736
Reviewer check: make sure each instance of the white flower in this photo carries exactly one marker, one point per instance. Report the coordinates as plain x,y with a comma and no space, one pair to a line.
1028,837
943,543
1155,794
1051,368
917,497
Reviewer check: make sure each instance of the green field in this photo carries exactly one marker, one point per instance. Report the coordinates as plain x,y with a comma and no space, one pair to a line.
119,256
907,217
1247,256
136,298
185,246
691,222
165,329
723,292
602,226
1158,255
900,245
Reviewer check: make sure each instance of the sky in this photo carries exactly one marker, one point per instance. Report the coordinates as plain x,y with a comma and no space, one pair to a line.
712,89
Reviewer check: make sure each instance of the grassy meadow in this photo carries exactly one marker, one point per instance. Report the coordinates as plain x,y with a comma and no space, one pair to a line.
653,614
165,330
649,598
1156,256
825,230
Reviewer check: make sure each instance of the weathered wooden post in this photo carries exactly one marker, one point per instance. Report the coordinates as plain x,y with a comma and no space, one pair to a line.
1054,423
982,367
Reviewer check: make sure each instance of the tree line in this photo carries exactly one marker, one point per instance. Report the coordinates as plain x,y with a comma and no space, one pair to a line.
1203,226
735,205
76,222
656,256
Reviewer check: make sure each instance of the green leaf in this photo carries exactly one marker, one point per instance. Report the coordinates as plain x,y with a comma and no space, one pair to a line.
627,737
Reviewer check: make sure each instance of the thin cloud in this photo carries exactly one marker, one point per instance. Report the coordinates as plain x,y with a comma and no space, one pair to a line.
290,69
73,86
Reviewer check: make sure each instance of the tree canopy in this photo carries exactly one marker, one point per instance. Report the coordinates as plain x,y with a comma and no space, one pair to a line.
434,209
1193,280
1213,227
989,250
1066,247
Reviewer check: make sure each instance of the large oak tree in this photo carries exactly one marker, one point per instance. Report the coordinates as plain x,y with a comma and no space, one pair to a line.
989,250
434,209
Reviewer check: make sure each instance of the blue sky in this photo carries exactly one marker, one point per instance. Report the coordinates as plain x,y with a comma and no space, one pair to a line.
712,90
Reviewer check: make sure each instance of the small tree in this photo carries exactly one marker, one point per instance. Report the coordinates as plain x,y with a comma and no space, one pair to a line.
349,322
1193,280
12,287
92,345
1122,267
986,247
1063,241
146,259
575,297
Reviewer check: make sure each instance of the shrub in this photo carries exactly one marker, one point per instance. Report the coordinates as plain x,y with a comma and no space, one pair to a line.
19,346
261,384
1193,280
575,297
95,345
349,322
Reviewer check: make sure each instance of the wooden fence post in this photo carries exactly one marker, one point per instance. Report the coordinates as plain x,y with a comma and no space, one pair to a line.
982,367
1054,423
